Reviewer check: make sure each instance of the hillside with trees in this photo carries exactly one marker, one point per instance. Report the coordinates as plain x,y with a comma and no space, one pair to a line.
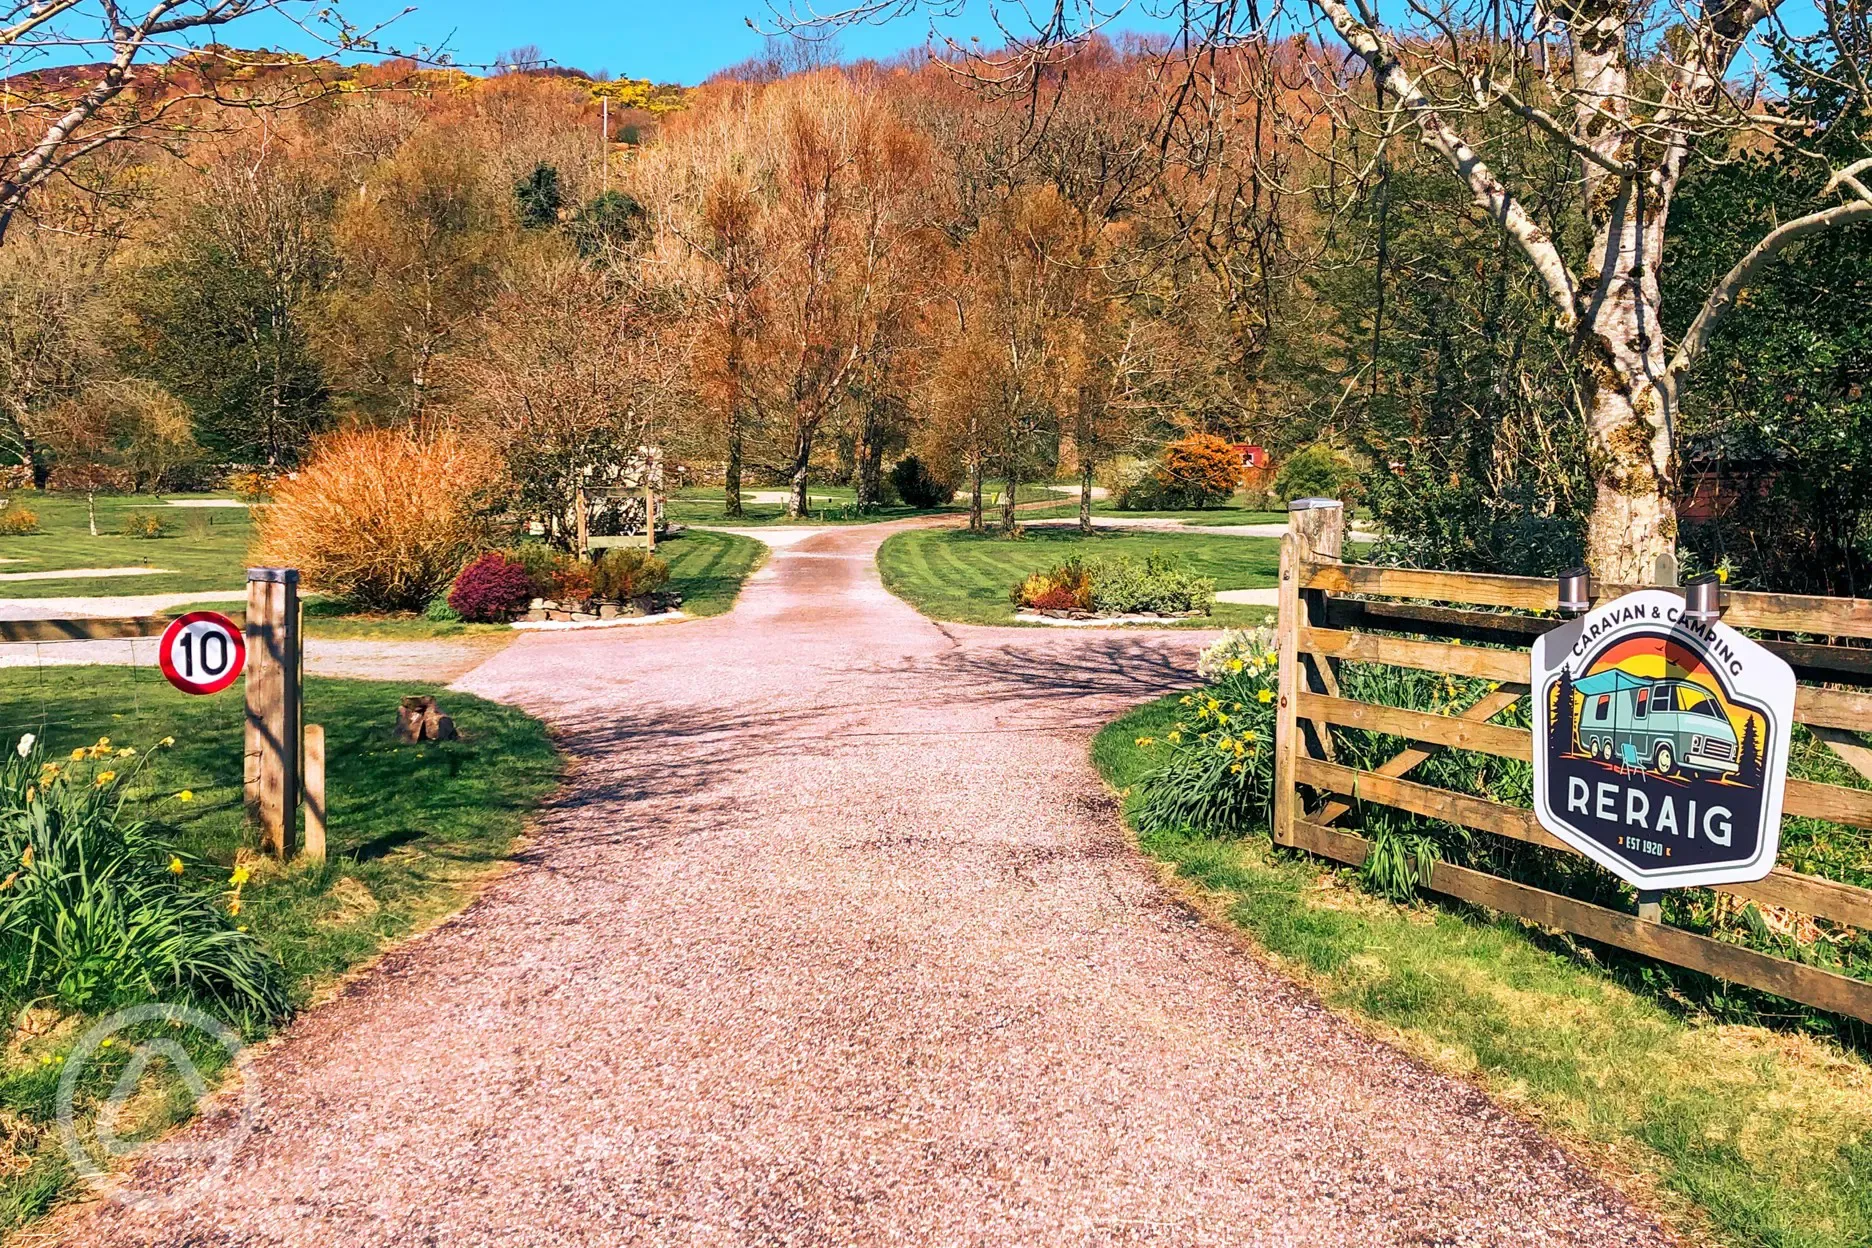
801,272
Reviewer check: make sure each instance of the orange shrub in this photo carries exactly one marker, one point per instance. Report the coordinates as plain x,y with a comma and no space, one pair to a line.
383,517
1198,470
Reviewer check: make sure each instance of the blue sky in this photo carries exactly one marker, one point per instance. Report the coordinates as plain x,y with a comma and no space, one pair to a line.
665,40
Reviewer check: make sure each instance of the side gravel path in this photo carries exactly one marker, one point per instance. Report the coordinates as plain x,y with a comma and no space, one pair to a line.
829,943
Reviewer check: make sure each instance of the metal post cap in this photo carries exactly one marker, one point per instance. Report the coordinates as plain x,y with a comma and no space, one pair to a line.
1310,504
275,576
1575,591
1703,600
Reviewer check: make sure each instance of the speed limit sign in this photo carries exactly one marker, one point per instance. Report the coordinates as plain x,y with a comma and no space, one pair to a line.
202,652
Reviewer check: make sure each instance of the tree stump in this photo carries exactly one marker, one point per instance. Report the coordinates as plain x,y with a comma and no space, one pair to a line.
419,719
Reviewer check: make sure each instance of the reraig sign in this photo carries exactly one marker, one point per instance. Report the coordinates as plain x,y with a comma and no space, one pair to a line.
1661,743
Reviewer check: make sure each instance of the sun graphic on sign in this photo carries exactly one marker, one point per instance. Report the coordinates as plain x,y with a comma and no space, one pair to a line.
1666,658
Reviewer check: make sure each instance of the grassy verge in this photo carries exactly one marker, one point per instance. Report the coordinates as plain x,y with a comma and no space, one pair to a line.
204,548
1755,1136
709,569
949,574
413,831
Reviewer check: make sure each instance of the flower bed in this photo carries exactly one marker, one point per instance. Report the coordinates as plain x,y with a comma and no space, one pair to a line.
538,585
1154,587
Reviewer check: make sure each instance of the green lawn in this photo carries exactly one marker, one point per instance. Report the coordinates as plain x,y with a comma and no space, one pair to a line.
205,548
413,830
1238,510
1754,1136
950,574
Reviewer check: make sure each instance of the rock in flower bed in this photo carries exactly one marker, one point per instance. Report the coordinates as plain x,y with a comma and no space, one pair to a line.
589,609
1155,587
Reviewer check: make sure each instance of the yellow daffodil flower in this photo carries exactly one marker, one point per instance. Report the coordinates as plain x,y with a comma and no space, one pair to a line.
186,795
1266,696
175,866
241,876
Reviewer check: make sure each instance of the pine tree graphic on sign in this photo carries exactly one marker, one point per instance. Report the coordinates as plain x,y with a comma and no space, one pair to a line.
1750,772
1563,712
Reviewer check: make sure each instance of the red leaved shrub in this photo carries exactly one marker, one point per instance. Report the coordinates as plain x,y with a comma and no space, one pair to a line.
1058,598
492,589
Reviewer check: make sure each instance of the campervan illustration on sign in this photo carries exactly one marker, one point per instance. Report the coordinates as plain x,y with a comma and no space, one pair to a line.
1660,743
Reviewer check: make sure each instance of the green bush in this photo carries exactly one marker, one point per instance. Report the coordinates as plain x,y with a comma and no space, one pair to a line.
440,612
1117,586
145,525
1157,583
1317,472
628,572
917,486
97,910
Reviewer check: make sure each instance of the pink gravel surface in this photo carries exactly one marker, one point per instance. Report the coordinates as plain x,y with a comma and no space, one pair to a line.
834,940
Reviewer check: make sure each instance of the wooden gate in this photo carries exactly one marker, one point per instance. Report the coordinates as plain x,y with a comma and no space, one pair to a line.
1472,625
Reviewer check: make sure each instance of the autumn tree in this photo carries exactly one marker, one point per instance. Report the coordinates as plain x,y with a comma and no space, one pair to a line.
51,289
224,314
119,435
572,369
1637,92
416,243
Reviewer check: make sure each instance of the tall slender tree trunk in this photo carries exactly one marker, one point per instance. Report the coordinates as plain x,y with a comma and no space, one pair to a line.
797,502
1085,491
868,477
731,477
975,493
1632,531
1010,488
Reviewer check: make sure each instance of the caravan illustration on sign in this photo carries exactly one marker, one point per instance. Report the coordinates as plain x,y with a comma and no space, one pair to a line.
1661,743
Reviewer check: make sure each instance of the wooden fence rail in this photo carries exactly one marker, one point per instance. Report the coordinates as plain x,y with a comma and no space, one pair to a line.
1332,612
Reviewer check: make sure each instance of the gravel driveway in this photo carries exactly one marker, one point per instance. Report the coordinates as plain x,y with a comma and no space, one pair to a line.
834,940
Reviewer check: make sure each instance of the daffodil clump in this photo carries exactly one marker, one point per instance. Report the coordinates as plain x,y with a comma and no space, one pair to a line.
1217,768
97,909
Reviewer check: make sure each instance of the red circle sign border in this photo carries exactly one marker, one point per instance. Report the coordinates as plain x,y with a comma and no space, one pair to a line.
182,682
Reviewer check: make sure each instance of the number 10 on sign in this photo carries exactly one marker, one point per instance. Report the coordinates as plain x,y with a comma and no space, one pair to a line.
202,652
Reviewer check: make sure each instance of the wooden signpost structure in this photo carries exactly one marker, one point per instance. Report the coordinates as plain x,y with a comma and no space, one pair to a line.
283,758
273,744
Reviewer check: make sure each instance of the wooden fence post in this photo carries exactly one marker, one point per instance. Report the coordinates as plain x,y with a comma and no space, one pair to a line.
273,697
1315,534
315,792
1286,708
649,512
